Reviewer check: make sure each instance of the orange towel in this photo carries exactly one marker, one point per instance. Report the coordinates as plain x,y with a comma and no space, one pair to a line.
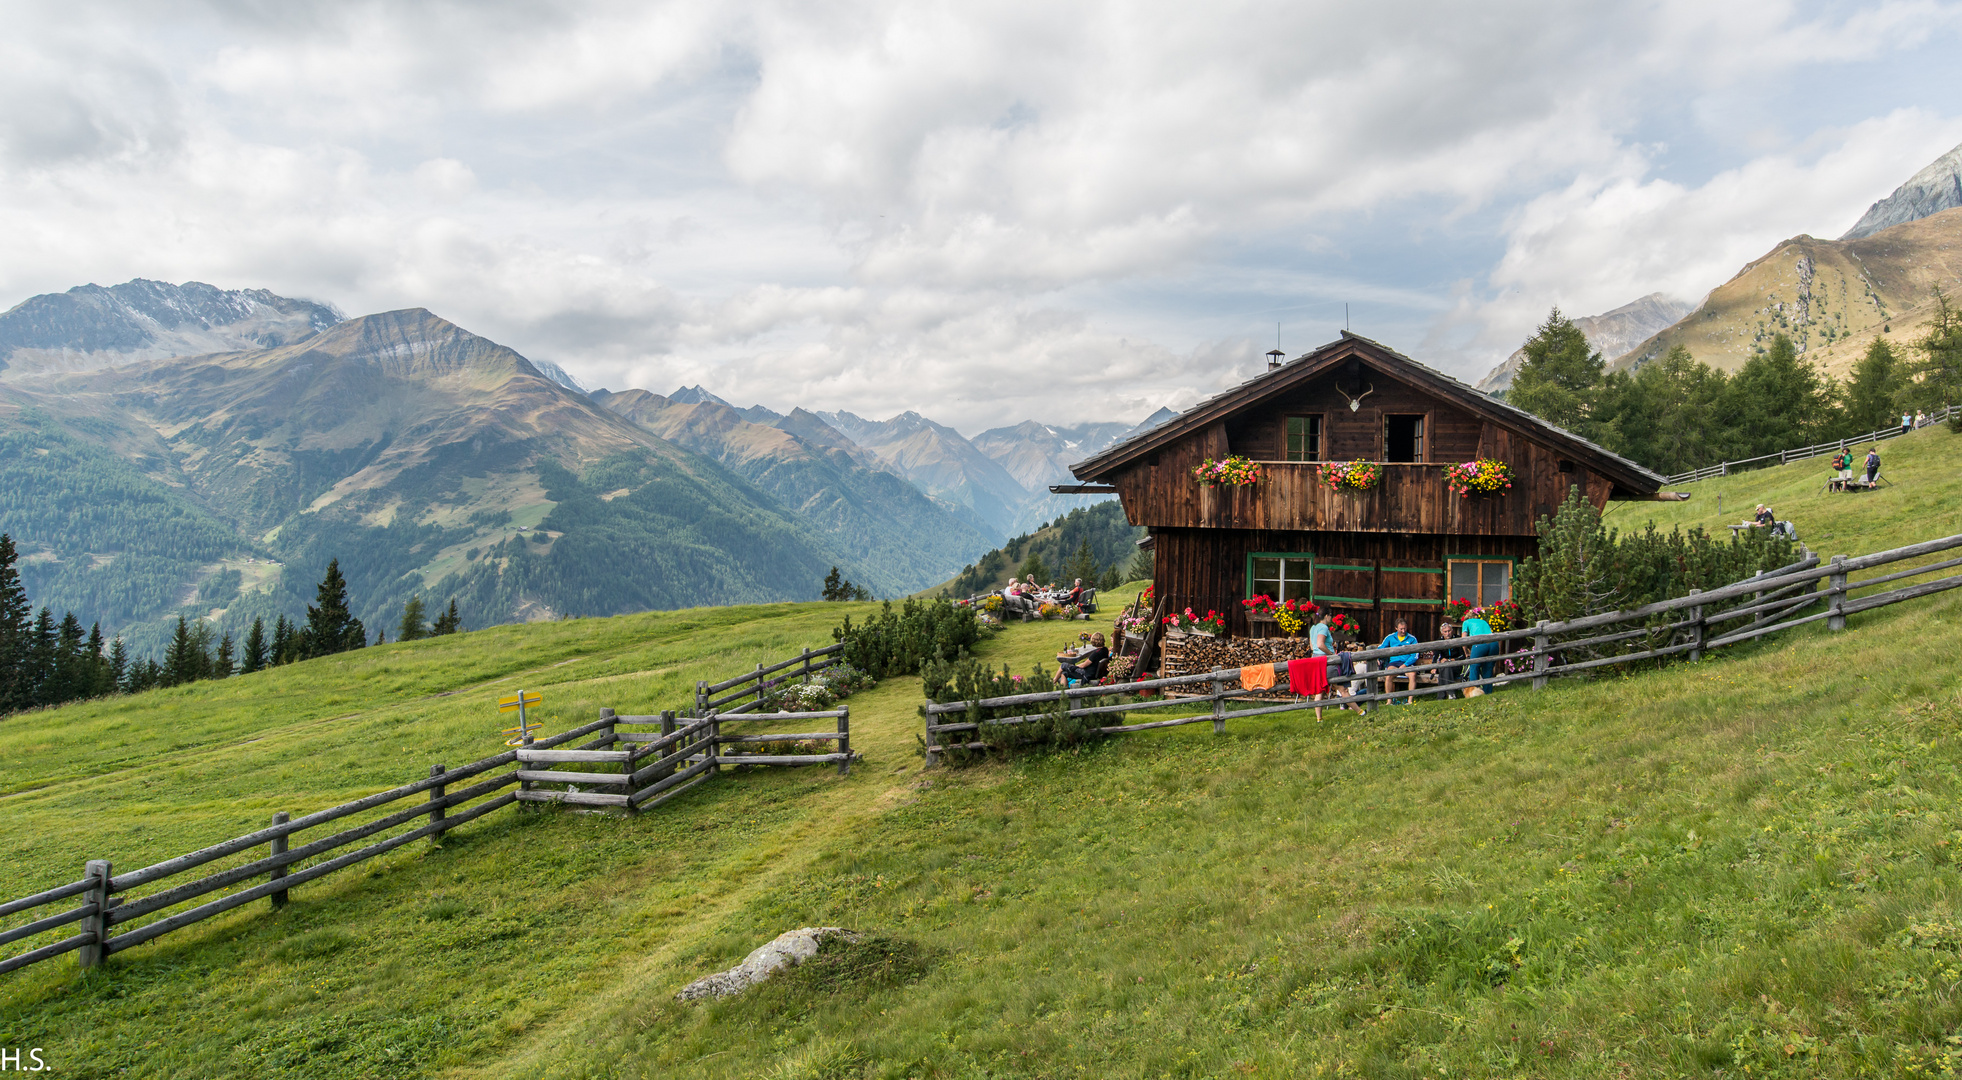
1257,677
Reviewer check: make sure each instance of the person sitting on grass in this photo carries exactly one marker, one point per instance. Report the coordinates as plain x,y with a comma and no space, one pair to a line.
1400,660
1087,666
1765,516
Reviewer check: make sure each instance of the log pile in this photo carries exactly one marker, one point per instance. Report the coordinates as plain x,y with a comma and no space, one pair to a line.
1191,655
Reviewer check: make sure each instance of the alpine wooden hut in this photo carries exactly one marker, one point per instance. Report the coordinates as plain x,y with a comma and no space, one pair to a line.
1399,548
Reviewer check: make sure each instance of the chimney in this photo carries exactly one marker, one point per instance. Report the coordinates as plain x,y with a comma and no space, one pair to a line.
1274,358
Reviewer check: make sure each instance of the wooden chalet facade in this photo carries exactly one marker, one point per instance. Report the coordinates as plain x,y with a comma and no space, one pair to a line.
1401,549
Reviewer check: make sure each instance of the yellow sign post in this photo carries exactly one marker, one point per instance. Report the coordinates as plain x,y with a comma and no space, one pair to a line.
517,703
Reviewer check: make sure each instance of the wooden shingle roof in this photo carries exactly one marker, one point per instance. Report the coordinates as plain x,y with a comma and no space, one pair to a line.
1626,475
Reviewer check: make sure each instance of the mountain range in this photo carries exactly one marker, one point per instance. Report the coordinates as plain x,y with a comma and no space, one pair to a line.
1831,297
142,482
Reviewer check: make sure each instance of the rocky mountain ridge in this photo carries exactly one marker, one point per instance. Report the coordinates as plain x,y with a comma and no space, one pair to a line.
1613,333
90,326
1936,188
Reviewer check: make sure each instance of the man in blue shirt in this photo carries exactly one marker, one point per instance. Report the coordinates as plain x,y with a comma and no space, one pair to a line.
1400,660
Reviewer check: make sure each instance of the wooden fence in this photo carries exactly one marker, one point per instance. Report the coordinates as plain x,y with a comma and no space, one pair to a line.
1688,626
1784,457
654,767
812,660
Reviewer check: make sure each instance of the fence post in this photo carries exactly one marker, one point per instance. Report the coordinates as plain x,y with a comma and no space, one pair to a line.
524,785
1697,629
1540,658
278,847
701,699
437,811
714,744
756,687
1219,706
1757,598
97,924
1836,595
667,728
806,670
844,740
1725,466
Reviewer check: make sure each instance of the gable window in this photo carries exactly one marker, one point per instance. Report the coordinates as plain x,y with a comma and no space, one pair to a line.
1304,439
1481,581
1283,577
1403,437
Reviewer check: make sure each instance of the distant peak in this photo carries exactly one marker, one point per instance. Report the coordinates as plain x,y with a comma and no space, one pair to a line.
1936,188
695,395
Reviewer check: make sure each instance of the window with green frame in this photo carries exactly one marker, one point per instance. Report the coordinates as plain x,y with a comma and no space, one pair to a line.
1304,439
1282,575
1480,580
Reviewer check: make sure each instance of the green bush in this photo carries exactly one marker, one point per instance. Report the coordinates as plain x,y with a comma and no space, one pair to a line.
967,679
900,642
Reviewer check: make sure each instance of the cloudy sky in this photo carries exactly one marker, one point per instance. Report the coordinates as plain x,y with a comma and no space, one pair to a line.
982,211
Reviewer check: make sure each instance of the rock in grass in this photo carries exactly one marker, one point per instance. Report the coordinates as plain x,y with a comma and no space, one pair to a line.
793,947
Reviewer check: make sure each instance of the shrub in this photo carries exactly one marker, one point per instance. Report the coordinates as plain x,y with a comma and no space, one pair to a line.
899,642
967,679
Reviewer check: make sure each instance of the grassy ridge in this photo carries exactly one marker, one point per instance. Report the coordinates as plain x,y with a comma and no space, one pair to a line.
1744,862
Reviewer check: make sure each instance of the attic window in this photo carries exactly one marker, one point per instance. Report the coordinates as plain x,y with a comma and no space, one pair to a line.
1304,439
1403,437
1152,460
1566,466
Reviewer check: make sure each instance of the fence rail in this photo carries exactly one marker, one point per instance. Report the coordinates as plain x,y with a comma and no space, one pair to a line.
1784,457
811,660
646,770
1770,601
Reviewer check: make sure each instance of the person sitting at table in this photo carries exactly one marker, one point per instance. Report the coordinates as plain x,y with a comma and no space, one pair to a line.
1075,593
1084,665
1765,516
1400,660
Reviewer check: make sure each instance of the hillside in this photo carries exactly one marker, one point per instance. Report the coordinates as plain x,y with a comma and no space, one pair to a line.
1831,297
90,326
902,539
1113,547
426,458
1743,864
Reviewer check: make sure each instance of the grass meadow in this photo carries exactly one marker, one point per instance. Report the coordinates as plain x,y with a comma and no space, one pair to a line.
1740,867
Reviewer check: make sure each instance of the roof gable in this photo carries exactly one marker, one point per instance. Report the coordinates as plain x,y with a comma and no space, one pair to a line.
1623,472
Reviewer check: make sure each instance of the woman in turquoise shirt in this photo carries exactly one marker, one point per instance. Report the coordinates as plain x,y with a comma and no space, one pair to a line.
1472,627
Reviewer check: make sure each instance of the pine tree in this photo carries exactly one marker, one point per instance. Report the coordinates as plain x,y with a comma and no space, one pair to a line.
118,666
282,642
448,622
1874,390
178,666
16,628
381,637
1083,566
1033,570
331,628
101,681
1570,578
1938,374
68,673
254,658
412,628
1778,399
42,643
222,668
1561,377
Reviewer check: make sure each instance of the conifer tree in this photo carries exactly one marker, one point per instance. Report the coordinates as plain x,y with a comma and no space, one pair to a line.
68,673
332,628
101,682
178,666
448,622
1082,565
1938,374
1033,569
1570,578
118,666
412,627
282,642
1779,400
254,658
16,627
222,667
42,643
1874,390
1560,379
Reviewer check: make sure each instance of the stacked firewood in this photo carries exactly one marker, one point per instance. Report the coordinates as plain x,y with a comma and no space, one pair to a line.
1192,655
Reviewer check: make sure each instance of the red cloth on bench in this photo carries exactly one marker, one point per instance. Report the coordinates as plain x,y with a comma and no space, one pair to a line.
1308,676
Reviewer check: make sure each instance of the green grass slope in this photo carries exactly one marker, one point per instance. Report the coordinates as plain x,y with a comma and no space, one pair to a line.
1742,867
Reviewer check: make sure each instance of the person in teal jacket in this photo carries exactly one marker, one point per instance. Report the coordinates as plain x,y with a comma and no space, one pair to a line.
1472,627
1400,660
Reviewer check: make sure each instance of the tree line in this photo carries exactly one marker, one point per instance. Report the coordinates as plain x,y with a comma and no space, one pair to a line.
1676,413
44,662
1094,543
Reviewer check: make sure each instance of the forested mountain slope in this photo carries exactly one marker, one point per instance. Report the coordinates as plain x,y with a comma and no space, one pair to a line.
427,459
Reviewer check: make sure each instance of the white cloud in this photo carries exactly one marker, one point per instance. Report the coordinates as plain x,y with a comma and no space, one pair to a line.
980,211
